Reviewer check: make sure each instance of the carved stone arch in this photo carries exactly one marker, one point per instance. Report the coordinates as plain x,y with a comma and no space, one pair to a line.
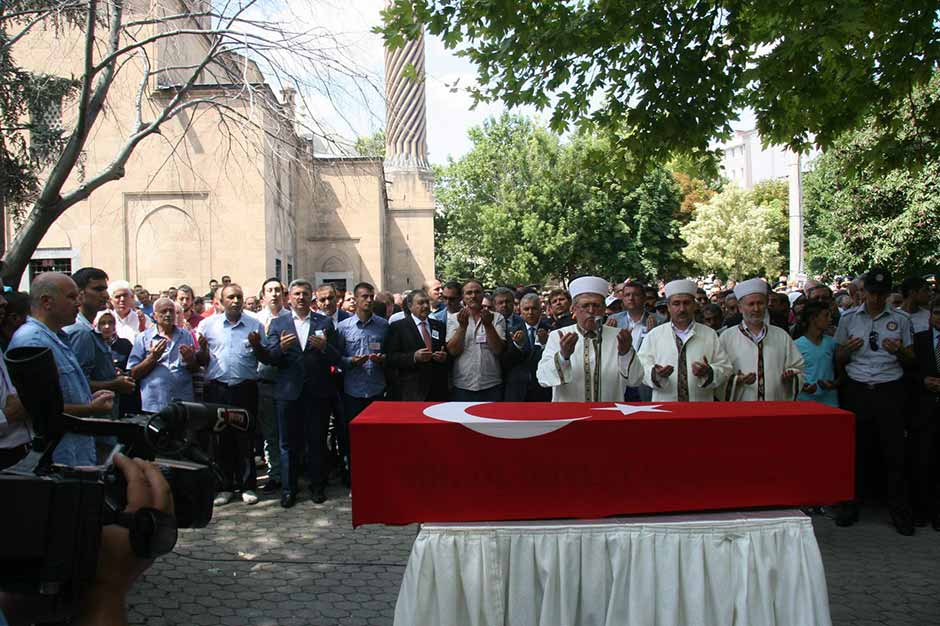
168,244
335,263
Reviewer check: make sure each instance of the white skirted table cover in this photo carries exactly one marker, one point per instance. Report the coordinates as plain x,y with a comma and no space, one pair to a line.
759,568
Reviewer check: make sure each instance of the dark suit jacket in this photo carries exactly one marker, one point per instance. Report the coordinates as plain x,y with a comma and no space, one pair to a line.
416,382
926,366
303,370
522,384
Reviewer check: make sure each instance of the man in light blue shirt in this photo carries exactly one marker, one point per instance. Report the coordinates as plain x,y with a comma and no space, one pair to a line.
230,347
163,359
362,346
54,304
92,352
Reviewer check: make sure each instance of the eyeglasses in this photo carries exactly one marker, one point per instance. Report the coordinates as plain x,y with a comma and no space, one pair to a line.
873,341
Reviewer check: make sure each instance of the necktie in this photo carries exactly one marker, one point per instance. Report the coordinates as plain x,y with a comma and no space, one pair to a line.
425,335
532,336
937,353
682,373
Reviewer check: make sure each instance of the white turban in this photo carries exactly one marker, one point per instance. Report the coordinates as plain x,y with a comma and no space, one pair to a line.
588,284
677,287
793,296
752,286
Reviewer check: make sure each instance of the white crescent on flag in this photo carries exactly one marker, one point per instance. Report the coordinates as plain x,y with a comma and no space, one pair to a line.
456,413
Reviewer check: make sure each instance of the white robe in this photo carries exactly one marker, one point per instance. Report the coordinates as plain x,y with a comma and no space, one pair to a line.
779,354
659,348
567,378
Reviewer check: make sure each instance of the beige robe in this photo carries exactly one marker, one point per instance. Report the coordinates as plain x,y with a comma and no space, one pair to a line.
775,354
581,379
659,348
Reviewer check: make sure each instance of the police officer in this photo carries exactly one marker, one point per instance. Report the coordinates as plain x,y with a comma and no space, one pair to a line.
874,345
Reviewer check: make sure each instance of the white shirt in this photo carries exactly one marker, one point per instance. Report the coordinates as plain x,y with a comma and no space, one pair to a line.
396,316
129,327
265,315
476,368
302,326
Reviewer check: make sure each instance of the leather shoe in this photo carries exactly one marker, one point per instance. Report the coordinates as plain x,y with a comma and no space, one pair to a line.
271,486
903,521
318,495
288,500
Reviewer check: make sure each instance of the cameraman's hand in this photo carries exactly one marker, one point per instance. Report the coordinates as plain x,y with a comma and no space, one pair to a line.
118,566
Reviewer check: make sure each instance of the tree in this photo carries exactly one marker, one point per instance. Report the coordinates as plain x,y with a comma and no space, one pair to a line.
674,74
185,62
524,207
859,218
372,145
732,236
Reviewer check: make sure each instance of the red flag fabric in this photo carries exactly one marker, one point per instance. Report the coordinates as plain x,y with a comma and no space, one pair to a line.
481,461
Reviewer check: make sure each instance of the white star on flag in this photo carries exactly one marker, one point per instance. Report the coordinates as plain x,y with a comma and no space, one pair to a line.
628,409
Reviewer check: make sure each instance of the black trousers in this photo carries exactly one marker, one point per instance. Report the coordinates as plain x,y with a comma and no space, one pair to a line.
234,450
11,456
924,461
879,436
353,406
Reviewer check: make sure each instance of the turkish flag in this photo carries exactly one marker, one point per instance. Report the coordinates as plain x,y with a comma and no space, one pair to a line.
459,461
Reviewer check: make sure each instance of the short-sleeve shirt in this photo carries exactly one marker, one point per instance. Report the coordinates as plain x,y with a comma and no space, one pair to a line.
867,365
169,379
476,368
819,364
231,357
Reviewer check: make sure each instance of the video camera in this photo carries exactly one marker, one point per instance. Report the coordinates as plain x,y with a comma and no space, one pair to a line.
52,535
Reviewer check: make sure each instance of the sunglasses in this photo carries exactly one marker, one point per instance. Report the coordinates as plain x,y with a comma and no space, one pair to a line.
873,340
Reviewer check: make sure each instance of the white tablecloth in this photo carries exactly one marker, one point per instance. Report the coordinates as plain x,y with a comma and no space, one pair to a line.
723,569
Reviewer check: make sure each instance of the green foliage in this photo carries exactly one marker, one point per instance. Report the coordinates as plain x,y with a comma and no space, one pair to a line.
522,207
674,73
735,236
372,145
855,218
27,146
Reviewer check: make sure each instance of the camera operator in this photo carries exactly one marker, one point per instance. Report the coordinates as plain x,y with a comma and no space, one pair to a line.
54,304
15,434
104,603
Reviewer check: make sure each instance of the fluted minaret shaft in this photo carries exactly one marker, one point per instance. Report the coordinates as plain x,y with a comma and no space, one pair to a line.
405,125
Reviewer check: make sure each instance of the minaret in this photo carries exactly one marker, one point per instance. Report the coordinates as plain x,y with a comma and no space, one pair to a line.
406,143
409,222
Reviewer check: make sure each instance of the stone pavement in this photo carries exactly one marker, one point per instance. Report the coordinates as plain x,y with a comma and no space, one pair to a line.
266,566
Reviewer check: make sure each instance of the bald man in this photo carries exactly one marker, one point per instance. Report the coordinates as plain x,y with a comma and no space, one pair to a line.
54,303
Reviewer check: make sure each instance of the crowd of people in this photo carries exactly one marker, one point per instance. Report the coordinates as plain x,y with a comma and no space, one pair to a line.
307,359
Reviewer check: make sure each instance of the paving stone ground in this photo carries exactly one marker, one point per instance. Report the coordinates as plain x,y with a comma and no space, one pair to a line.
266,566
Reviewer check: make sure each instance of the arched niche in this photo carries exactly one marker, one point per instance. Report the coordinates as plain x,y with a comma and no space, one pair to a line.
168,247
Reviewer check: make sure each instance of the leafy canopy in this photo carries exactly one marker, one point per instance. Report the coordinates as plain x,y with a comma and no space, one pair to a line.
857,217
673,73
738,234
523,207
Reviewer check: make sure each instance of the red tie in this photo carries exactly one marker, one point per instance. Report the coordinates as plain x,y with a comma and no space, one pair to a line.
425,335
